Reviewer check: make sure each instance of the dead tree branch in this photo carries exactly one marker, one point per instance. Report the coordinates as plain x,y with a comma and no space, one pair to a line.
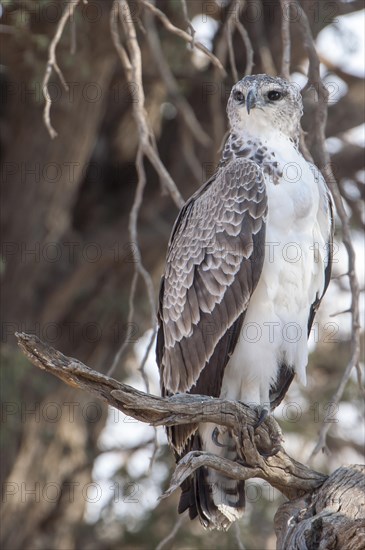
233,23
328,510
132,64
180,102
182,34
52,64
187,21
247,43
171,536
332,518
285,38
261,450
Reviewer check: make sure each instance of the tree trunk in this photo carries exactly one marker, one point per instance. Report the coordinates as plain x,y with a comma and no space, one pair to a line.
331,518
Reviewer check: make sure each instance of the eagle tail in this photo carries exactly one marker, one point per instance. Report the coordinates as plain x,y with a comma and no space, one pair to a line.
216,499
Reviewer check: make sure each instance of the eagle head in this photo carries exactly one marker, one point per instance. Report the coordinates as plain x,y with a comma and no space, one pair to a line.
262,103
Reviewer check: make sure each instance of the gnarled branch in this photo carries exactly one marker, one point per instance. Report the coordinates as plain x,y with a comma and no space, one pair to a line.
321,512
256,446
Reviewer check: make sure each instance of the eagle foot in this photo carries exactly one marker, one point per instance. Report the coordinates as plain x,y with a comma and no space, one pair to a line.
215,435
272,452
263,415
231,446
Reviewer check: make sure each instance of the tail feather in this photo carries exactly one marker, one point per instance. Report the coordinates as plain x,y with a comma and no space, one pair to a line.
216,499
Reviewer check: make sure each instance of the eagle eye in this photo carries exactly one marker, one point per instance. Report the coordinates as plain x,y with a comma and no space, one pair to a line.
238,96
274,95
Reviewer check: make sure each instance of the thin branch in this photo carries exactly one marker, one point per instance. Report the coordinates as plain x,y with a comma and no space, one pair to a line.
348,310
314,79
267,60
133,220
229,34
285,37
278,468
132,64
180,520
141,369
185,109
133,67
184,35
233,23
141,184
249,49
116,40
217,117
189,153
221,49
53,65
188,22
73,37
128,335
146,354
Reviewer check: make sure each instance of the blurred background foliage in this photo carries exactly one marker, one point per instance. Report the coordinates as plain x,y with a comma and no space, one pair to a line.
72,475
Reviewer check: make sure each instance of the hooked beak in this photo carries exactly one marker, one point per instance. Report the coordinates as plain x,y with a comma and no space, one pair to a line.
251,100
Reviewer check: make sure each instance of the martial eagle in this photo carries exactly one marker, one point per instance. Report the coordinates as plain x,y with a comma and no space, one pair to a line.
248,263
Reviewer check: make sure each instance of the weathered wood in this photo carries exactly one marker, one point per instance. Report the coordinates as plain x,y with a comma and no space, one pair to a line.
323,513
292,478
332,518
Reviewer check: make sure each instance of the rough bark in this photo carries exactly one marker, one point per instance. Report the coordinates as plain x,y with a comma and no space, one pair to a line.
331,518
322,512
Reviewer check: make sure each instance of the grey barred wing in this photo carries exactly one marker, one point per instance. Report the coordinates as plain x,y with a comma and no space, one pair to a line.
213,265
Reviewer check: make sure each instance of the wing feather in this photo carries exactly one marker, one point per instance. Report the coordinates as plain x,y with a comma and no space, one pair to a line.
214,261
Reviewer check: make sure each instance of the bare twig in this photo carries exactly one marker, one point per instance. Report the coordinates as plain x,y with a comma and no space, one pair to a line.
247,43
136,72
53,65
73,37
126,341
146,381
230,28
229,34
285,37
187,113
218,119
233,23
133,219
314,79
187,21
182,34
267,60
132,64
348,310
190,156
280,470
171,536
217,116
146,354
